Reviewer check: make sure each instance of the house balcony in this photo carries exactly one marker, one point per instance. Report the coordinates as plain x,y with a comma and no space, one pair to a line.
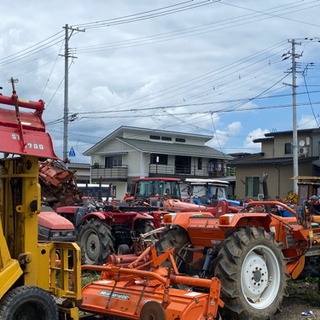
109,174
183,172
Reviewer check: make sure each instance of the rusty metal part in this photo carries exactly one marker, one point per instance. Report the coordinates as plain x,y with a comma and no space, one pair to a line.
58,184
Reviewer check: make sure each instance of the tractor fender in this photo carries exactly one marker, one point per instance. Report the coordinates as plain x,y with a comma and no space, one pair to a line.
141,216
144,216
98,214
182,219
66,210
226,222
236,220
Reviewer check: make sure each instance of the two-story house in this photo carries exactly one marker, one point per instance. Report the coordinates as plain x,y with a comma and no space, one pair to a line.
276,160
129,153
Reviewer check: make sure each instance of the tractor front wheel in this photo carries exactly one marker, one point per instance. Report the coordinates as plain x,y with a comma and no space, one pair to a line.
145,226
28,303
252,272
96,242
177,238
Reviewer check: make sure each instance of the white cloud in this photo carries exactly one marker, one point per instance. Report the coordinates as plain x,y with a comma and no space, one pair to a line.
255,134
214,59
307,121
221,137
234,128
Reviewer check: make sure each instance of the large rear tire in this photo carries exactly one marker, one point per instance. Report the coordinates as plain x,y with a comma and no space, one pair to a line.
28,303
252,272
96,242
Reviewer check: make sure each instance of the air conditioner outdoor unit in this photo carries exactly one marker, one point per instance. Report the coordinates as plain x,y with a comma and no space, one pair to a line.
303,151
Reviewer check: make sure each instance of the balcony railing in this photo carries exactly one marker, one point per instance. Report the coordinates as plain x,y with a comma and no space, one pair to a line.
188,171
115,173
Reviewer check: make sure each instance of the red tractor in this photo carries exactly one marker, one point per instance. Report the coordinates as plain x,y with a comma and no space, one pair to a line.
105,229
253,252
100,229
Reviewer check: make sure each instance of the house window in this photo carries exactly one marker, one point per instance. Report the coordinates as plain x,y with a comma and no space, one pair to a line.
115,161
252,187
155,137
183,164
199,163
180,140
166,138
288,149
159,159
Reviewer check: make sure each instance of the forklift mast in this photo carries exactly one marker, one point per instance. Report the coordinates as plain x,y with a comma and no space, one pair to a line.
24,261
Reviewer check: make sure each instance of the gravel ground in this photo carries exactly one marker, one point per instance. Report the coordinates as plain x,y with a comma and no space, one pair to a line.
303,297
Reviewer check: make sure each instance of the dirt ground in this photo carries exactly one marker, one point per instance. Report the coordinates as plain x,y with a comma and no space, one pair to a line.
303,297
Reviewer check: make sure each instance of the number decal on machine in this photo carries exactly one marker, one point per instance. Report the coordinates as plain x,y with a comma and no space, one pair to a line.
29,145
115,295
35,146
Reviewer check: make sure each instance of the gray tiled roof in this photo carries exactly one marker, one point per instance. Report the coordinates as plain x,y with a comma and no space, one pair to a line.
79,165
270,161
133,131
175,149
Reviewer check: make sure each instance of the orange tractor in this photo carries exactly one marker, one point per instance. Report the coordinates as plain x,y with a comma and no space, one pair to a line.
253,253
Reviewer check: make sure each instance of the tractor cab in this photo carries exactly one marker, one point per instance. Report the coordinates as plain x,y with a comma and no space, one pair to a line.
154,189
204,191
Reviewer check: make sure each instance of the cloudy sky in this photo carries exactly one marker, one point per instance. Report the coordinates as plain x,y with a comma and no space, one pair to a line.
221,68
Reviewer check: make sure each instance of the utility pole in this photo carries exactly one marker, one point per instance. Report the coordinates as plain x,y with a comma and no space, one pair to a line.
294,116
66,86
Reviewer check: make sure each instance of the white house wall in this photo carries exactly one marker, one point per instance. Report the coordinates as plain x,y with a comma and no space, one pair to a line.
133,161
121,189
280,141
115,146
268,149
133,134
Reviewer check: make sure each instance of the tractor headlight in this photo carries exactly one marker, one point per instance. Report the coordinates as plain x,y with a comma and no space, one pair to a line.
62,235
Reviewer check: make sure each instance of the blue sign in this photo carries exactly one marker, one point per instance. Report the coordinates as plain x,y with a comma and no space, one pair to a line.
72,153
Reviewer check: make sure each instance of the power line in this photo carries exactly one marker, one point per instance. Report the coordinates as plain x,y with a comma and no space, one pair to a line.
259,97
199,81
196,30
182,6
308,93
32,50
273,15
187,113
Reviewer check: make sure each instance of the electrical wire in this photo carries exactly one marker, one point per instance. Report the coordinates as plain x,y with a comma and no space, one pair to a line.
196,30
272,14
183,6
32,50
183,88
50,74
259,97
310,102
191,113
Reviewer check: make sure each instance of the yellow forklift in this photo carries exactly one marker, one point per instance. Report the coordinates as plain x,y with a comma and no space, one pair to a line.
34,276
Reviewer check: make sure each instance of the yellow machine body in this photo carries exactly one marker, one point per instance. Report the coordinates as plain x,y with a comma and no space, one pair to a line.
24,261
26,265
